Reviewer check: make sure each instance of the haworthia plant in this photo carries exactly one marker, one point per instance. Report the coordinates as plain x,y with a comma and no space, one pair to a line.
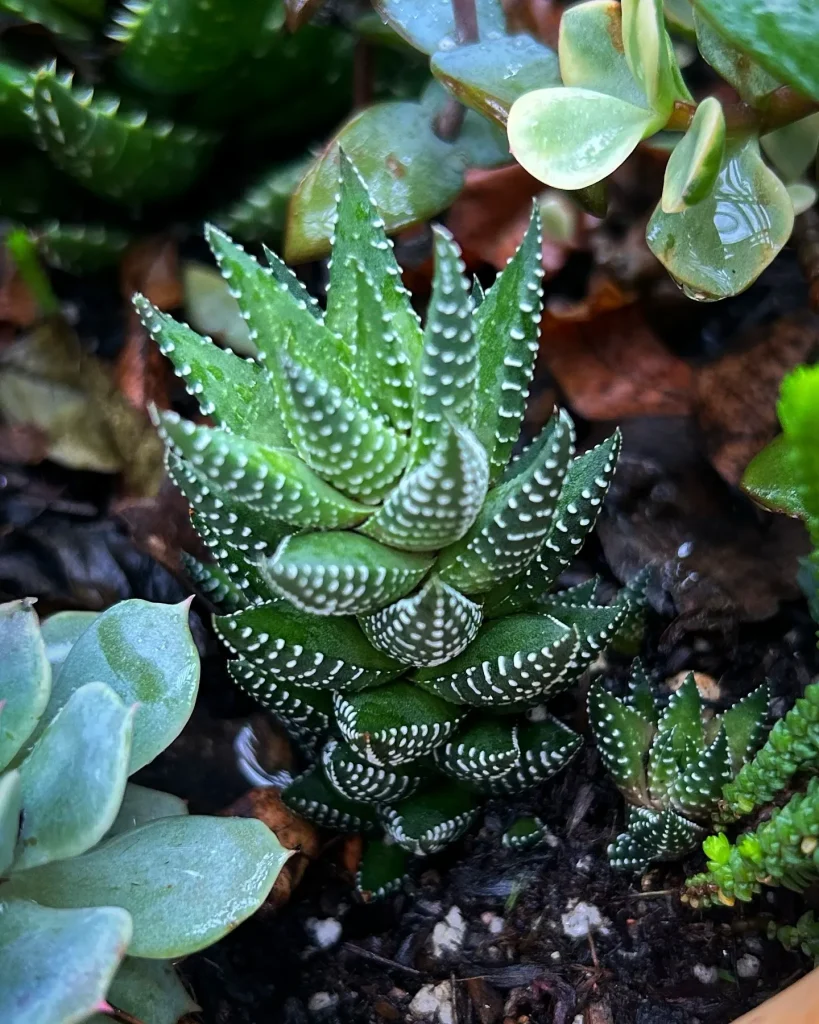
366,523
92,866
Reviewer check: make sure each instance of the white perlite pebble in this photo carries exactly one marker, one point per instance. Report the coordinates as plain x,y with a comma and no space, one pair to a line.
321,1001
433,1003
706,975
580,919
448,935
494,924
324,932
748,966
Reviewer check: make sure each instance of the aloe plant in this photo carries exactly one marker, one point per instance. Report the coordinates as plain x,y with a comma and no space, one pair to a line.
103,883
383,559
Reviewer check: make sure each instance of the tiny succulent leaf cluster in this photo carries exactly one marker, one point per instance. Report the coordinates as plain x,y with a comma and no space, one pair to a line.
92,866
671,763
383,561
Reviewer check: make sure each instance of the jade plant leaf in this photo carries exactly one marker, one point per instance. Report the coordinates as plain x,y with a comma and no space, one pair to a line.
481,142
769,480
792,149
146,654
720,246
571,138
140,805
215,873
412,175
780,34
429,25
60,632
25,677
490,75
57,965
647,54
150,990
696,160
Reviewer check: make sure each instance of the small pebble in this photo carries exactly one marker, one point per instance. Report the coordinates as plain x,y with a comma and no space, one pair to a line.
494,924
321,1001
555,955
433,1003
748,966
448,935
584,864
581,919
706,975
325,932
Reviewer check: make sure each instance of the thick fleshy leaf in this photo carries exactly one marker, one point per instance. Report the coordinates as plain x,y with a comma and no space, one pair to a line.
780,35
720,246
312,796
769,481
80,248
683,715
486,749
305,712
490,75
697,790
419,177
308,650
429,25
640,696
663,767
571,138
437,501
260,213
653,837
382,871
150,990
596,625
15,89
60,632
225,590
140,805
679,15
342,573
146,654
516,516
524,834
544,748
10,807
25,676
396,723
481,142
623,738
799,415
57,965
429,627
803,196
647,52
357,779
86,750
430,820
697,159
185,881
792,149
732,63
744,725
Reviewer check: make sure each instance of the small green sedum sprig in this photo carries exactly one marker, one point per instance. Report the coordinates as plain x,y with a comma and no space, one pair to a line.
383,566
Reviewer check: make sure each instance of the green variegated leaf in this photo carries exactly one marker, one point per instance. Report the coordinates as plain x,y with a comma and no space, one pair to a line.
744,725
735,65
592,55
10,807
663,767
383,870
545,747
430,820
15,96
308,650
25,677
693,167
437,501
312,796
647,53
792,149
623,738
287,279
596,625
429,25
357,779
516,516
342,573
522,658
396,723
140,805
305,712
698,788
653,837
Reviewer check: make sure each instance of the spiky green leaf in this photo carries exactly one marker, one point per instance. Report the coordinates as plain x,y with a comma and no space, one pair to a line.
312,796
623,738
305,712
429,821
698,788
653,837
356,778
383,870
524,834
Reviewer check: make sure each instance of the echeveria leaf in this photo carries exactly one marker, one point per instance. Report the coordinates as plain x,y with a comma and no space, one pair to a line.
60,632
490,75
215,872
792,149
696,160
571,138
720,246
429,25
146,654
57,965
10,807
85,749
418,177
732,63
150,990
140,805
25,676
769,480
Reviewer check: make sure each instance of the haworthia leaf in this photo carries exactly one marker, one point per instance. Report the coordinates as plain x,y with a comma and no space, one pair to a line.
623,738
524,834
683,714
271,480
394,724
312,796
544,748
516,516
640,696
663,767
51,15
308,650
744,725
596,625
429,627
140,805
150,990
382,871
429,821
288,280
260,212
25,676
698,788
237,392
60,632
437,501
15,92
221,588
653,837
305,712
215,873
486,749
695,163
10,808
80,248
85,749
357,779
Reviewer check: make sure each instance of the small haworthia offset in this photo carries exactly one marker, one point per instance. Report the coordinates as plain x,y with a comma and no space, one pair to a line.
382,566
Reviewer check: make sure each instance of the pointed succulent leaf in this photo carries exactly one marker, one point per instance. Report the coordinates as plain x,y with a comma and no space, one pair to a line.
288,280
222,588
149,990
51,15
792,148
623,738
307,650
337,436
516,516
591,51
429,821
571,138
663,767
237,392
429,627
698,788
596,625
519,658
305,712
11,804
118,155
55,824
140,805
524,834
431,27
490,75
683,714
653,837
646,51
506,330
312,796
357,779
383,870
486,749
215,873
25,677
396,723
271,480
695,163
57,965
60,632
544,748
640,695
732,234
744,725
342,573
80,248
15,96
423,177
261,211
437,501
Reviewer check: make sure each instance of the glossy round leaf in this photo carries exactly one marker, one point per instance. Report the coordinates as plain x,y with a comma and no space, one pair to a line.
695,163
571,138
792,149
648,56
25,676
140,805
60,632
751,81
429,25
150,990
768,479
803,196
